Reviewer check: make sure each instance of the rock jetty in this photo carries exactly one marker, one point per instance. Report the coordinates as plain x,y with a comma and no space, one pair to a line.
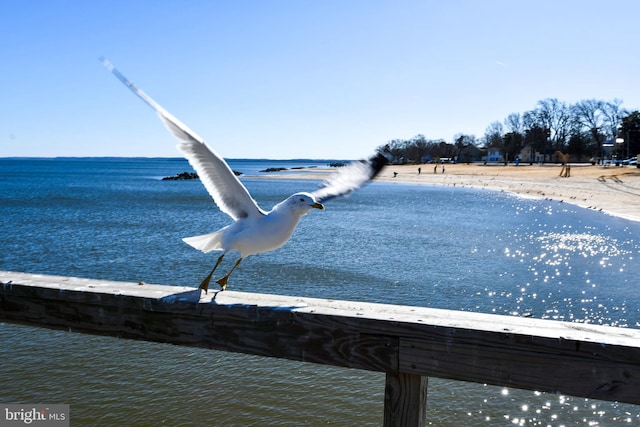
188,175
181,176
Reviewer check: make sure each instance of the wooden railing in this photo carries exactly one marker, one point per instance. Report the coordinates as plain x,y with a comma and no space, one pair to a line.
409,344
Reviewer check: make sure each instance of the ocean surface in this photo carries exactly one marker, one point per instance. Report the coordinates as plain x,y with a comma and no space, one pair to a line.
441,247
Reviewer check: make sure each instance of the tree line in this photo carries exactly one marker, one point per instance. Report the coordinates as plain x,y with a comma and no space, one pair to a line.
588,129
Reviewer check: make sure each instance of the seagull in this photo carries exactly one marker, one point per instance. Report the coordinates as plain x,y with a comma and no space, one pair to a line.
253,229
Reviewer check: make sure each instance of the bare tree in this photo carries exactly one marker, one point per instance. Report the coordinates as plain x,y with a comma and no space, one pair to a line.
464,144
514,123
538,138
556,116
589,116
612,116
493,138
553,125
462,140
417,148
493,134
530,120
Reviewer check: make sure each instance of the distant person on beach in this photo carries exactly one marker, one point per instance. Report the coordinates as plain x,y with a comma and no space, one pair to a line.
435,168
419,170
442,168
395,174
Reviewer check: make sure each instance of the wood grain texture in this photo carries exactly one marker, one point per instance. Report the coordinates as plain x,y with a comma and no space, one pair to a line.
569,358
405,400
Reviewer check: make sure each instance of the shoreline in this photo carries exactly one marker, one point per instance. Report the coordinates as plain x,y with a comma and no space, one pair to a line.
611,190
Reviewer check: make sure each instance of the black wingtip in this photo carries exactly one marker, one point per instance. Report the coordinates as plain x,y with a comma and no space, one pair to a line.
379,161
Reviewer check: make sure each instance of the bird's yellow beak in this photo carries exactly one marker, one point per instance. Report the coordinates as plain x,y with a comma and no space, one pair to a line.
318,206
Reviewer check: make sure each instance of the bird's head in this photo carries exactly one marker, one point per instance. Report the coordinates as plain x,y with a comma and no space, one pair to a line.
302,203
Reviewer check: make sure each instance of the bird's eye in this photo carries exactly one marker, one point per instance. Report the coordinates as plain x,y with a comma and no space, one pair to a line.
301,199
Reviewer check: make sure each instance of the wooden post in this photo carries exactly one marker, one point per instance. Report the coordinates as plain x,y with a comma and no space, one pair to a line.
405,400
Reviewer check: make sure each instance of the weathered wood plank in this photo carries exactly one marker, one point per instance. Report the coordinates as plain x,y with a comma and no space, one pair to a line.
569,358
405,400
557,366
273,326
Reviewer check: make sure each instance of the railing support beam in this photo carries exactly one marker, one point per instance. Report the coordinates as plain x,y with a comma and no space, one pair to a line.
406,343
405,400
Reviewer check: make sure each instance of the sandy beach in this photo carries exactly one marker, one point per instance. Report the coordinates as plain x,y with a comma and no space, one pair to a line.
613,190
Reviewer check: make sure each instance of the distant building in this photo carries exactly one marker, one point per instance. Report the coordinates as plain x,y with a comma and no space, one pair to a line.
469,154
493,154
529,155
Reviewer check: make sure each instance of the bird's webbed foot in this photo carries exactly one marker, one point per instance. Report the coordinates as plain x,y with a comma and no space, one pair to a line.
205,283
223,281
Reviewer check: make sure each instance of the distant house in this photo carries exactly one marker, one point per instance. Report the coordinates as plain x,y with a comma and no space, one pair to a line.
493,155
427,158
468,154
527,154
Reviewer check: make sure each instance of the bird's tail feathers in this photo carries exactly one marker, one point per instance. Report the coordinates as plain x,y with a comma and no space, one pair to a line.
205,242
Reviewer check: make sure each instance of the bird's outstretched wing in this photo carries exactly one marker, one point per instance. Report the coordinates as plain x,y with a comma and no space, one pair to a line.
351,177
227,191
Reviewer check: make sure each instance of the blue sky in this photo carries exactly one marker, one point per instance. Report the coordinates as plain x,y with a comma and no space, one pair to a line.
298,79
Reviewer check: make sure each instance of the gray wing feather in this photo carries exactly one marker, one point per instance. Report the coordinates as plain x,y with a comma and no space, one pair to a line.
225,188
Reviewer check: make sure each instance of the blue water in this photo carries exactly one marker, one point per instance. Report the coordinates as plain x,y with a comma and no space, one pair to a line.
442,247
